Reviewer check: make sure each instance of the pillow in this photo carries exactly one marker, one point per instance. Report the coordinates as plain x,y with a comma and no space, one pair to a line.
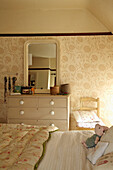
109,148
77,116
89,116
87,124
86,116
97,152
108,137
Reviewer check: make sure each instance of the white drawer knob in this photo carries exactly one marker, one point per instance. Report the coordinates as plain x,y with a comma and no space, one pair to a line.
52,102
52,112
22,123
52,124
21,102
21,112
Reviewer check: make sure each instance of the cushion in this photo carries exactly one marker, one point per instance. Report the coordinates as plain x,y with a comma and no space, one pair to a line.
95,153
77,116
86,124
108,137
109,149
86,116
105,162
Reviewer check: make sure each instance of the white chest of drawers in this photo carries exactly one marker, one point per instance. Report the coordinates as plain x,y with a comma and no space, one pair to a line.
40,109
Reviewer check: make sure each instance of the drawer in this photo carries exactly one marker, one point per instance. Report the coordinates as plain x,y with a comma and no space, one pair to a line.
22,121
61,124
52,102
55,113
40,113
22,102
22,113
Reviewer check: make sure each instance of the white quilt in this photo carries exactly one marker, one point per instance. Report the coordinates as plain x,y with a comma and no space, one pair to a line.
64,151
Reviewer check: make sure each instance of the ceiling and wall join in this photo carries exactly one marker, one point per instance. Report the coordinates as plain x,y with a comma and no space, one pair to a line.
53,16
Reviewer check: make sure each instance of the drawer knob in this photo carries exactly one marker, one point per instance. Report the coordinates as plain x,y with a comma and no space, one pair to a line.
22,123
52,102
52,112
52,124
21,112
21,102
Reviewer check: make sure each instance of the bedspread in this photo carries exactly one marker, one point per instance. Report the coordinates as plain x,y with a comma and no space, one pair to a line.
65,152
105,162
21,146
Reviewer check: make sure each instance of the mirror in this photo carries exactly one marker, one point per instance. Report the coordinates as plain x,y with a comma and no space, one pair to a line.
41,64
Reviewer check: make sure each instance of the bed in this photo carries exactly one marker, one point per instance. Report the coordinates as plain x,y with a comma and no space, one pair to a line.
88,114
28,147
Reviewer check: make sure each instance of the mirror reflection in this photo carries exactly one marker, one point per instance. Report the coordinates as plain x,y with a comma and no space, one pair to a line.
42,65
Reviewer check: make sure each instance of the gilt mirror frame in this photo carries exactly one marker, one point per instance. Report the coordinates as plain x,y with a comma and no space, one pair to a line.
42,41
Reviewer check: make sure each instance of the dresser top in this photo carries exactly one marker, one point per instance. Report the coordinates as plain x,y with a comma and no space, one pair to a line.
38,95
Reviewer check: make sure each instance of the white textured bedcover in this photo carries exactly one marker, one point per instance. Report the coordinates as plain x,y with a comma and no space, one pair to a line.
64,151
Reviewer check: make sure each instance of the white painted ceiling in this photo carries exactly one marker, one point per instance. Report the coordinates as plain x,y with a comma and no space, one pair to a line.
56,16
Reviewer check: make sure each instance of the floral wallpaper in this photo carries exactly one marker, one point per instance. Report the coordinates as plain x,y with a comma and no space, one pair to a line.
86,63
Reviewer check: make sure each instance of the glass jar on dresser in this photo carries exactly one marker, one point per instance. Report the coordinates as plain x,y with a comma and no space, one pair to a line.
39,109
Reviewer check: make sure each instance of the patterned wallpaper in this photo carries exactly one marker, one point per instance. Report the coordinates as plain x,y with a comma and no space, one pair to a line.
86,63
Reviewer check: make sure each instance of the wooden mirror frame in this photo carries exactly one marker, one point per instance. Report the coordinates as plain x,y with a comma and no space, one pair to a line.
42,41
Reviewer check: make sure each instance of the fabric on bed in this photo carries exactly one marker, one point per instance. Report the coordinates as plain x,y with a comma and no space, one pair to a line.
106,161
65,152
77,116
109,148
108,137
87,119
21,146
97,152
86,116
88,124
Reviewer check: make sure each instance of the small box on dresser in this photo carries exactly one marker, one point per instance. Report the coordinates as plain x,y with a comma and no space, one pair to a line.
39,109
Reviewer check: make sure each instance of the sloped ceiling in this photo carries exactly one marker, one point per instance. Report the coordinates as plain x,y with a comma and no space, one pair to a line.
103,11
54,16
